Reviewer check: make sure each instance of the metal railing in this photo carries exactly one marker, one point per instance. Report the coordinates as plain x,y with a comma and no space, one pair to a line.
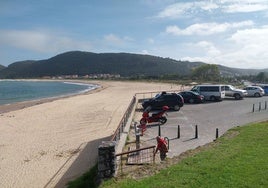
126,161
140,97
146,95
130,160
124,120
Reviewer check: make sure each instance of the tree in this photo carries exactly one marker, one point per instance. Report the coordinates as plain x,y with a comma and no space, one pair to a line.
262,77
208,72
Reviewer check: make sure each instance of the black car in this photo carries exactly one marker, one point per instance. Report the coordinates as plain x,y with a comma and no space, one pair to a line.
172,100
192,97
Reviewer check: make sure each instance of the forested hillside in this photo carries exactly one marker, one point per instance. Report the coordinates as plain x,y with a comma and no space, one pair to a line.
123,64
84,63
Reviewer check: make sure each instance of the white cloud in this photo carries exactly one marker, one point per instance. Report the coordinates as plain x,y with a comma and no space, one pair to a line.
244,8
40,41
175,10
145,52
248,36
112,39
252,45
197,59
206,28
180,9
244,49
233,6
208,6
209,47
203,51
151,41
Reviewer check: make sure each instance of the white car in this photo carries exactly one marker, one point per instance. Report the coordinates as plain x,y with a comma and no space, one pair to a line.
254,91
231,91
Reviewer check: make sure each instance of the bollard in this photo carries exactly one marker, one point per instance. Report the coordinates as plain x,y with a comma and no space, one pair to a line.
253,109
159,130
196,132
179,132
259,106
136,128
137,141
265,107
217,133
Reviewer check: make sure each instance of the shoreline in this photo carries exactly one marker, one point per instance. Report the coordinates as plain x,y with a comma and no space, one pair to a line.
4,108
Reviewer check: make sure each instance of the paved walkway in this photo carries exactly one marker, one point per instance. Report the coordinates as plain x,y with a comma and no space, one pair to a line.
208,117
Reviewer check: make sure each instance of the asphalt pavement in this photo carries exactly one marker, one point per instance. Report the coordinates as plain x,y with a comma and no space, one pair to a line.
196,124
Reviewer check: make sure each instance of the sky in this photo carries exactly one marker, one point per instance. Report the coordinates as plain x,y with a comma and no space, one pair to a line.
232,33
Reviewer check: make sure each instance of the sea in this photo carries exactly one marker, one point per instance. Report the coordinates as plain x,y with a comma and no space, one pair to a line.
13,91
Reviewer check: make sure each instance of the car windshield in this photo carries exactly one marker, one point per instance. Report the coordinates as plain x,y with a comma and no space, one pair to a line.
195,89
157,95
195,93
232,87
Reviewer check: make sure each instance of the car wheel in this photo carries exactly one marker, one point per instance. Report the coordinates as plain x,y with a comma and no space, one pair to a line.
143,121
257,95
213,98
191,101
237,96
163,120
177,107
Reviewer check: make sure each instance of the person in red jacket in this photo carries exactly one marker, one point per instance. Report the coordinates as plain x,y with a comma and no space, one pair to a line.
162,147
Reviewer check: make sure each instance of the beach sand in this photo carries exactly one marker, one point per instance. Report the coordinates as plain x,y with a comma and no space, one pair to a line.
46,143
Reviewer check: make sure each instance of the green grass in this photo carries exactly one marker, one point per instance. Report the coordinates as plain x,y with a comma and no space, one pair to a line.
238,159
86,180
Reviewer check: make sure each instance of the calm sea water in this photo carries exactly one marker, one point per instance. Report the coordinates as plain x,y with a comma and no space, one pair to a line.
18,91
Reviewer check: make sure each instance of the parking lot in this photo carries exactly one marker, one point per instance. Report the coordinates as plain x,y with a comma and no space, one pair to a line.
207,117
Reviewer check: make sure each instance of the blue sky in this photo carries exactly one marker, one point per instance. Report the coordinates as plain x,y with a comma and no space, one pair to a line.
233,33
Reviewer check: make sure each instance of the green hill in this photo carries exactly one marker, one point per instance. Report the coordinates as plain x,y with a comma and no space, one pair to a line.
84,63
125,64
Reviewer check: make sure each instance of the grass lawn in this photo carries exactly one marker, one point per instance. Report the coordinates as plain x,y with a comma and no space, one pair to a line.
237,159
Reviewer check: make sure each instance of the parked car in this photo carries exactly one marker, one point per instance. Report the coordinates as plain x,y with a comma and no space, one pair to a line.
210,92
254,91
231,91
172,100
192,97
264,87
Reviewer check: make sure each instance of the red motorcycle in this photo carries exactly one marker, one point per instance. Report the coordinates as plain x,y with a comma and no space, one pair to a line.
156,117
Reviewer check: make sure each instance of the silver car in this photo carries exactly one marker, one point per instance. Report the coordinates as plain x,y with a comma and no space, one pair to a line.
231,91
254,91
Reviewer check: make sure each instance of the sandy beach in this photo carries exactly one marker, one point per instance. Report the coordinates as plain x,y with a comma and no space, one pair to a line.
46,143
